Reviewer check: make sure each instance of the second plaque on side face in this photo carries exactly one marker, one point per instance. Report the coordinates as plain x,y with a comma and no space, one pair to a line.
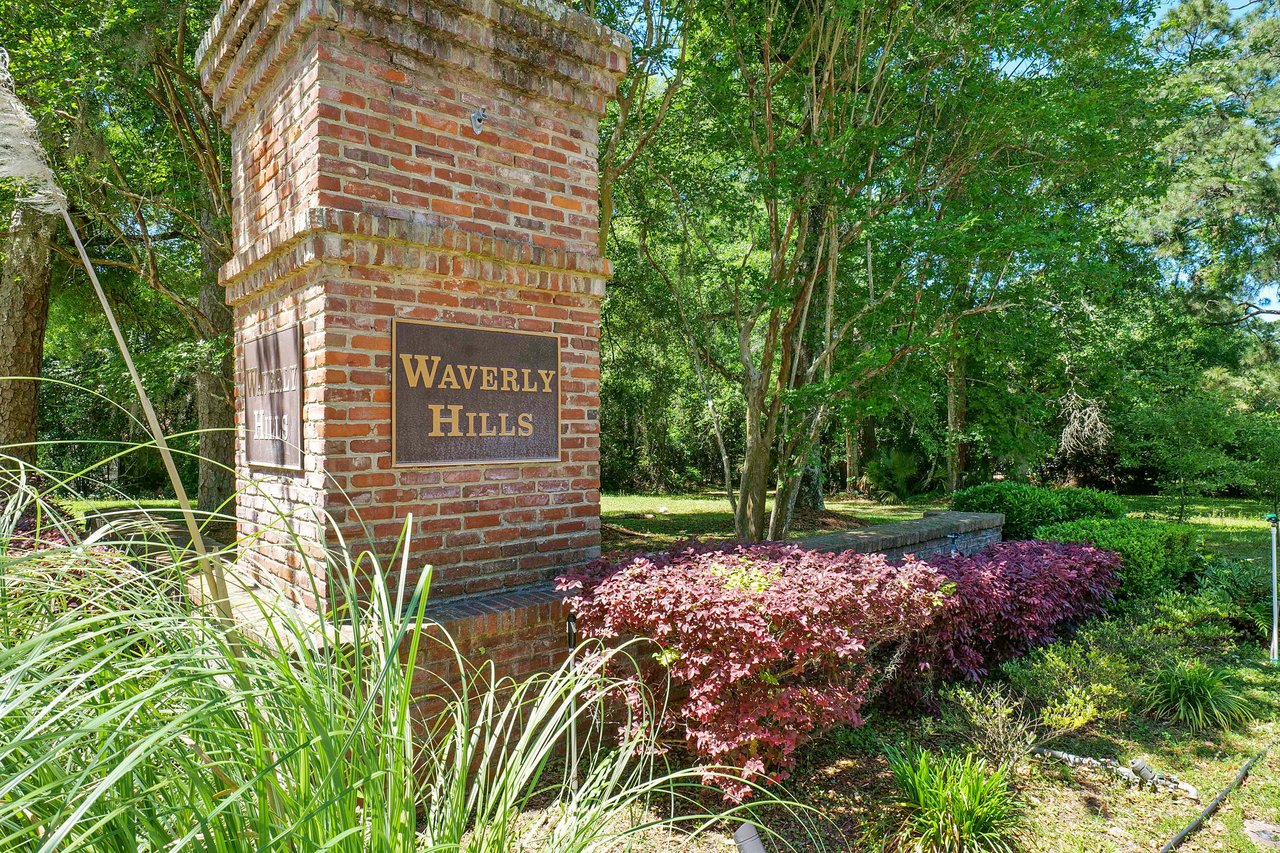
272,392
462,395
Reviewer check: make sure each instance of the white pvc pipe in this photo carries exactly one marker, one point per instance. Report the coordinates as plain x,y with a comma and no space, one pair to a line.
1275,601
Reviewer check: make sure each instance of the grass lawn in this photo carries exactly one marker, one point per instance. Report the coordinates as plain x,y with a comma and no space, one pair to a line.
650,522
1231,527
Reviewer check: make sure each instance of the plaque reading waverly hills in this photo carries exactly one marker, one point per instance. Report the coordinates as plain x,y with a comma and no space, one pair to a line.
462,395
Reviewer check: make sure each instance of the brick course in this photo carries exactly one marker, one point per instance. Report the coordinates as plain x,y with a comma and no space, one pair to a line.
937,534
362,194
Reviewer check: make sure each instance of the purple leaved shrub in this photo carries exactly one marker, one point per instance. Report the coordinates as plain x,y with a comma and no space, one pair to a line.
1012,597
764,646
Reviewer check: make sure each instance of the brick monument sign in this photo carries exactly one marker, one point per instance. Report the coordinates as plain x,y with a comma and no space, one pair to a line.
416,288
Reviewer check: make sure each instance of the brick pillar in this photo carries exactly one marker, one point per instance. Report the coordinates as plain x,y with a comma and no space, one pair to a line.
363,196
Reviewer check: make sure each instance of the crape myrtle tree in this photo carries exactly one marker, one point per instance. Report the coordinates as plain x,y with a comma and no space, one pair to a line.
145,164
796,204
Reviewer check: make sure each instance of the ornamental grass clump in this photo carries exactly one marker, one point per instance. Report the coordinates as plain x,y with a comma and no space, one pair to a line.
1197,695
763,646
1012,597
131,719
954,804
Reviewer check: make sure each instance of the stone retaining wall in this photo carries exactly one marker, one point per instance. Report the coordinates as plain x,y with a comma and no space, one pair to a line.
937,534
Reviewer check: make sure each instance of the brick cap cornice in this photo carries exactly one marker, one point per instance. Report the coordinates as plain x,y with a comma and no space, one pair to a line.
249,41
328,235
457,608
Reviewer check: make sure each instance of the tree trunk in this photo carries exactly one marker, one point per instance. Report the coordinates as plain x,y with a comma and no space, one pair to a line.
865,447
809,499
753,482
24,312
852,460
215,412
784,505
957,420
791,482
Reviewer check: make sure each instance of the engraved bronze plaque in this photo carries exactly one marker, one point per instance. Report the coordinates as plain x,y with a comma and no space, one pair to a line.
273,399
461,394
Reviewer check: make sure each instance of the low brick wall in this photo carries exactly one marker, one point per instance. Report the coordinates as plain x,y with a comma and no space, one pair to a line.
522,631
937,534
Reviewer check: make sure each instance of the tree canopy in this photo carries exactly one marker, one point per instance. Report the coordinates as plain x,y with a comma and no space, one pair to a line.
889,247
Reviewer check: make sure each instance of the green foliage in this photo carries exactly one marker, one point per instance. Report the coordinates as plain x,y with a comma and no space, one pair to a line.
1215,217
895,476
1156,556
131,722
1026,507
1184,436
1089,677
83,429
1195,619
1243,588
1135,662
1003,727
1080,503
954,803
1196,695
995,722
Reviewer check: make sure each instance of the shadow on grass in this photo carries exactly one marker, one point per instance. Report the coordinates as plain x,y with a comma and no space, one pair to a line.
653,522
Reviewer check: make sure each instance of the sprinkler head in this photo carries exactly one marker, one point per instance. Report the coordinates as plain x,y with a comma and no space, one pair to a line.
1273,519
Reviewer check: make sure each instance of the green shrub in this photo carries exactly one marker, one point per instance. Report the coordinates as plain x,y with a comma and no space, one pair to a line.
1003,727
954,803
1090,503
994,720
1243,589
1155,556
1194,620
1027,507
1196,695
896,475
1093,672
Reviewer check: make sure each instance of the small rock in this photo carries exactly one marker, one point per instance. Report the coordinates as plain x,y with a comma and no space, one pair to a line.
1264,835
